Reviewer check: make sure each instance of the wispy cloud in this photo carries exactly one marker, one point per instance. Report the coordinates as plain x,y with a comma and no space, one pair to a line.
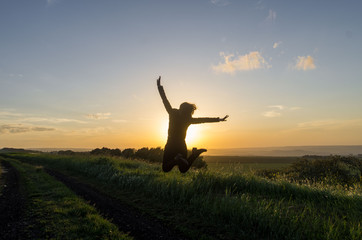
51,2
328,124
305,63
276,44
99,116
272,16
247,62
14,116
220,3
20,128
119,121
9,114
272,114
91,131
317,124
276,110
52,120
16,75
260,5
280,107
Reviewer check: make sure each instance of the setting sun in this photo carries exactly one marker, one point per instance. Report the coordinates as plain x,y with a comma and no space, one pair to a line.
193,137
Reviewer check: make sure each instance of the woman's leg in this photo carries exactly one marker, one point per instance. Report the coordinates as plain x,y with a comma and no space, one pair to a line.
195,154
166,167
179,160
168,159
183,163
174,154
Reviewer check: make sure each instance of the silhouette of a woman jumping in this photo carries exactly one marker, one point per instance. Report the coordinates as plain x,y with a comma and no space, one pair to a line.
179,120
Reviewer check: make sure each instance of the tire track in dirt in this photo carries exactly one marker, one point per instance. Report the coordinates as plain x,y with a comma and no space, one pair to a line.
12,204
127,219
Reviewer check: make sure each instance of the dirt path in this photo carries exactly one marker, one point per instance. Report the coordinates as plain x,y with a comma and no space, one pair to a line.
12,204
128,220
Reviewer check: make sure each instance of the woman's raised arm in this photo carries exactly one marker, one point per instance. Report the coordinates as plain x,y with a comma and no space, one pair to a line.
208,120
163,96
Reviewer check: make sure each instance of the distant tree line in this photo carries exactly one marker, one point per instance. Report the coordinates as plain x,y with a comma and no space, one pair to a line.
17,150
145,153
107,152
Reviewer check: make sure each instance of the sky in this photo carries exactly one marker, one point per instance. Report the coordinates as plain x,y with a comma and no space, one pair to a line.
82,73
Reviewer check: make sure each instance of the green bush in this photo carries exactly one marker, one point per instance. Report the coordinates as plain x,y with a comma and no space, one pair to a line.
339,169
106,151
345,170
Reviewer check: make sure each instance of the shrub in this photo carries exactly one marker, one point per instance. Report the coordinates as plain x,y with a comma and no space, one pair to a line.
128,152
339,169
106,151
66,152
329,169
199,163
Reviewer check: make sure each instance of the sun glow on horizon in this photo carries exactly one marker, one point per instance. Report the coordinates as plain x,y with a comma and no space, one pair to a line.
193,136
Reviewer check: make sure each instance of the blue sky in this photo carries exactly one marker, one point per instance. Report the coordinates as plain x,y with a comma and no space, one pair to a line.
82,73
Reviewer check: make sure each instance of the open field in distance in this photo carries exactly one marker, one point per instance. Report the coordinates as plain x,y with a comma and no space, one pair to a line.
247,163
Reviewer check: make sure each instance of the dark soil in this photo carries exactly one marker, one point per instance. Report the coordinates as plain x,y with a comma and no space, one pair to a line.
128,220
12,204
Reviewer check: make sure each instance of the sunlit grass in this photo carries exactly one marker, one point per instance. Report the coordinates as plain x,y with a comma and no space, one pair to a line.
243,168
1,180
227,204
55,212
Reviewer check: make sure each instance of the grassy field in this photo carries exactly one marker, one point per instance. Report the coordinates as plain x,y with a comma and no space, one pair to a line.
55,212
209,204
1,180
244,167
247,164
250,159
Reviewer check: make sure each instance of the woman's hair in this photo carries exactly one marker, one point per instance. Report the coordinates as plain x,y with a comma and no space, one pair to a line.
187,108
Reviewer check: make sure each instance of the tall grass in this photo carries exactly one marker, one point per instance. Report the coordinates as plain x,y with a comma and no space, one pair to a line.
1,179
54,212
228,205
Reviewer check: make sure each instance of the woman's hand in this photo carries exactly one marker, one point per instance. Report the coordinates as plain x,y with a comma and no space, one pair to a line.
159,81
224,118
